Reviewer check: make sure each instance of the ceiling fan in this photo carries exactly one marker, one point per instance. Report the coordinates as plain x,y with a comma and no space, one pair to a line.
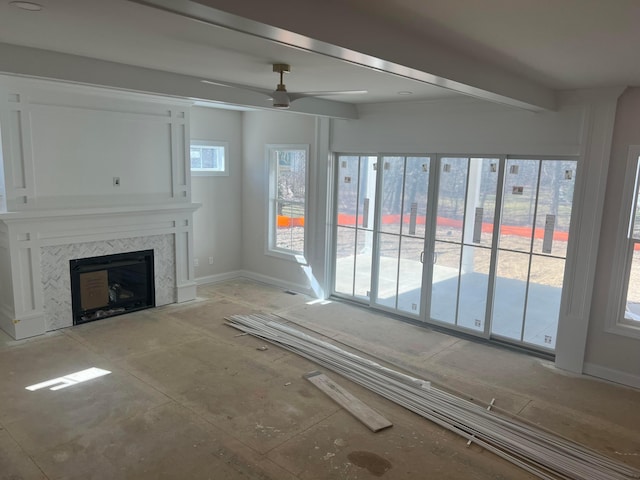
280,97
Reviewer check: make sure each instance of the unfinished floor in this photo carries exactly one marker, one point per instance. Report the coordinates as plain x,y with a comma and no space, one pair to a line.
189,399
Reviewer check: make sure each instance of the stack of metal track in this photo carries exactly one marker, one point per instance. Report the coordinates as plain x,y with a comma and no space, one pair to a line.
539,452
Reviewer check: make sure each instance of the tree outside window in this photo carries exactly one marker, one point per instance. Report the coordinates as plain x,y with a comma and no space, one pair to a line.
287,199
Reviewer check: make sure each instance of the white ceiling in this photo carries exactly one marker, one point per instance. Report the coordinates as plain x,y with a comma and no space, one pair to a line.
563,44
555,44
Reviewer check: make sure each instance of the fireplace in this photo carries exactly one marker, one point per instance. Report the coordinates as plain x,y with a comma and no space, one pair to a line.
110,285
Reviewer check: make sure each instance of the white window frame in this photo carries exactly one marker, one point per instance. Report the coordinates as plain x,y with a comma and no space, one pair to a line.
272,191
616,321
209,172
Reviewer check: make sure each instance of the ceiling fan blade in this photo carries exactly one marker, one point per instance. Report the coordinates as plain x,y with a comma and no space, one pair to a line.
330,93
262,91
220,84
299,95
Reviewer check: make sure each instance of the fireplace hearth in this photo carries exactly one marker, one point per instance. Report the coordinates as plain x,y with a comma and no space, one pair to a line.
111,285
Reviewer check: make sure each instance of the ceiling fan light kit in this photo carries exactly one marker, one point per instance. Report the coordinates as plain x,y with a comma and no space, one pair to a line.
280,96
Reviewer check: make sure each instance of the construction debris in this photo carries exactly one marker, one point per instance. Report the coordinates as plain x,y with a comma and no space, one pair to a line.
541,453
372,419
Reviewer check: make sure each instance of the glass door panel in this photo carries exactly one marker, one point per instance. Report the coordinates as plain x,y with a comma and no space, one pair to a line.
388,262
474,284
401,227
475,266
481,201
416,189
347,196
362,271
510,291
392,193
444,284
466,206
345,257
555,198
518,204
543,301
536,214
410,275
451,198
355,198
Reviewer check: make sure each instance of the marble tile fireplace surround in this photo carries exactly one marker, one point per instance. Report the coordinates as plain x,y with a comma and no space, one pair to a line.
36,247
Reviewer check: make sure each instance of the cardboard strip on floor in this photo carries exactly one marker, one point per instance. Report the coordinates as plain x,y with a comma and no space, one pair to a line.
356,407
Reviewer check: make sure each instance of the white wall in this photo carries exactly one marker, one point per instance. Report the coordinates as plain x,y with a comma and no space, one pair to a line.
260,129
218,223
460,126
64,144
609,354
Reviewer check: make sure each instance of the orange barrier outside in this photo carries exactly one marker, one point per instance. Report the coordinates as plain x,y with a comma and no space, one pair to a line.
350,220
284,221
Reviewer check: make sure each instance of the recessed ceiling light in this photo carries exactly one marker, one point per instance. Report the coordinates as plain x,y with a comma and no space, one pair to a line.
30,6
405,92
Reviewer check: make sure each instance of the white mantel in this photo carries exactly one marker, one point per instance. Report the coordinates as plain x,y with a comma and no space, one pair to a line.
36,246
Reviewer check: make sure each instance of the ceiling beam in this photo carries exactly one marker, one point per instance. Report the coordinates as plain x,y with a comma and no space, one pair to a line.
34,62
332,28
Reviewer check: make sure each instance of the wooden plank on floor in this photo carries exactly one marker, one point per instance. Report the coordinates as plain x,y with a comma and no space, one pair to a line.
372,419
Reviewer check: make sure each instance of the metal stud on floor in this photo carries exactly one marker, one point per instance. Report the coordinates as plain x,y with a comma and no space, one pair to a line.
547,456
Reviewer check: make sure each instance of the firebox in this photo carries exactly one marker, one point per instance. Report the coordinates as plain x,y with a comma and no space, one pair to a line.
111,285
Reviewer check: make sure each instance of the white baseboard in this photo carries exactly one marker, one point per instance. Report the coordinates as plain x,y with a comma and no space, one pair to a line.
29,325
186,292
6,322
276,282
612,375
258,277
219,277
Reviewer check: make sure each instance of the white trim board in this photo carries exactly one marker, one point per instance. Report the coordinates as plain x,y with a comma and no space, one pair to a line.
276,282
616,376
219,277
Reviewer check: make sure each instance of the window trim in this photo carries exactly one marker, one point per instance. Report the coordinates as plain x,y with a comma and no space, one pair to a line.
270,248
616,322
210,172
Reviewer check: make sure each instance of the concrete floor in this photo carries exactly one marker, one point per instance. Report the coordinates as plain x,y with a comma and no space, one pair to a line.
188,399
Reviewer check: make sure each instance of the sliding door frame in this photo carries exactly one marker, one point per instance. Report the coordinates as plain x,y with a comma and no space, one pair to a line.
435,161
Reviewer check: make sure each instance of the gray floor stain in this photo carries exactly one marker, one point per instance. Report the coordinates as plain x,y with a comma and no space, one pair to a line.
376,464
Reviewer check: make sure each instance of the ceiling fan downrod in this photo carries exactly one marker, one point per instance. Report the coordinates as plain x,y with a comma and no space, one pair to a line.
280,96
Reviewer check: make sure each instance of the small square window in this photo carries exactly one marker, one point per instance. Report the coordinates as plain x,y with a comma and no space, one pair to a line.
209,158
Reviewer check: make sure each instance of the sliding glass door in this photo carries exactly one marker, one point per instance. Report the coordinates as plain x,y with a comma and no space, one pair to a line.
400,233
463,230
474,243
356,196
532,250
